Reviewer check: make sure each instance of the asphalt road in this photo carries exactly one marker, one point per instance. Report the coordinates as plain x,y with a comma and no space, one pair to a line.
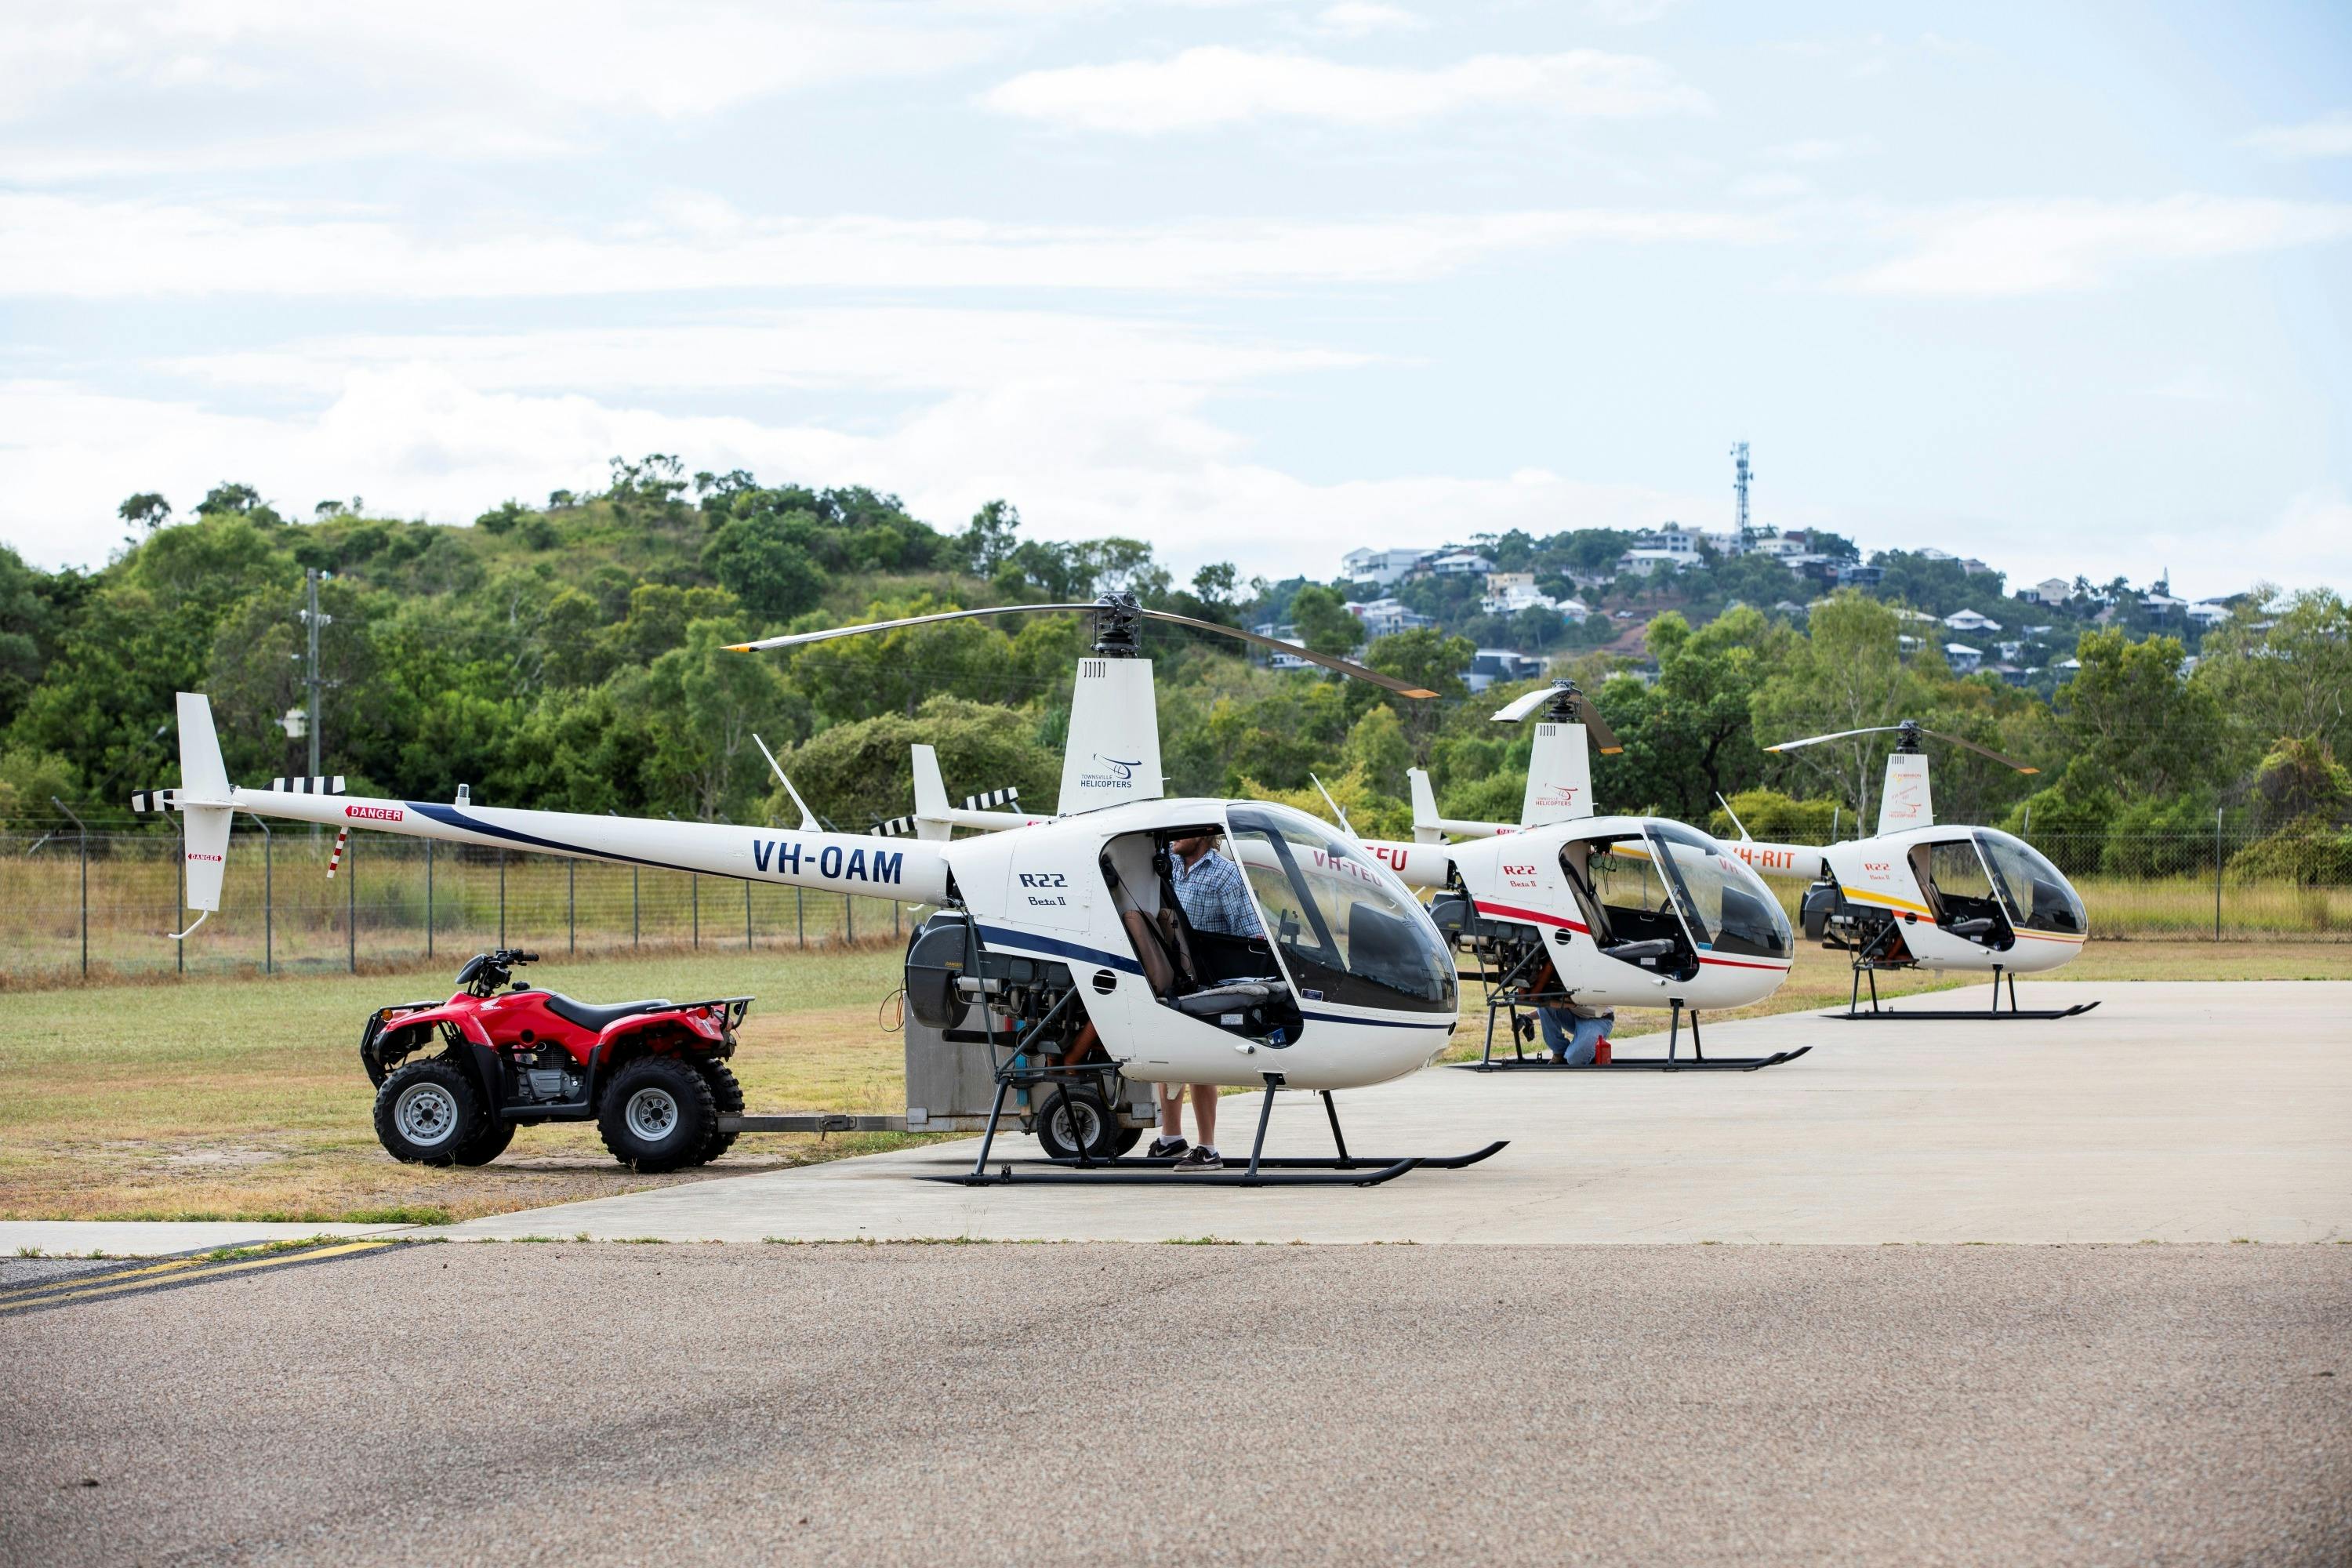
1123,1404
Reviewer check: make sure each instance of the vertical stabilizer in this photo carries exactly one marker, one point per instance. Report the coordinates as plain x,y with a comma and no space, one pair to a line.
1424,809
1112,755
1905,802
1560,776
203,800
930,795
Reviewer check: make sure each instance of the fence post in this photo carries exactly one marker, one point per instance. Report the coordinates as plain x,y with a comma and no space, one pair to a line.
502,898
632,906
429,900
694,897
1837,815
179,949
800,917
2217,873
572,903
848,918
268,893
747,917
84,832
351,909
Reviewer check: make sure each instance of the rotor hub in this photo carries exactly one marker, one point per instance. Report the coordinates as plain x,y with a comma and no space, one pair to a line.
1118,625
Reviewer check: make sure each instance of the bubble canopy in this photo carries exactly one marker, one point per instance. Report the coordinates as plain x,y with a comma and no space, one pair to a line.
2035,893
1346,930
1726,904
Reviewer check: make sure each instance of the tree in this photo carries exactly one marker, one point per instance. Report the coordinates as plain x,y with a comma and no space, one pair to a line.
147,509
988,543
2129,714
1846,674
858,773
759,561
1425,658
1323,621
2283,675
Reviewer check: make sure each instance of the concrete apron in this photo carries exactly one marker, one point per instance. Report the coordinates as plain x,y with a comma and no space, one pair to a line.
156,1238
2175,1112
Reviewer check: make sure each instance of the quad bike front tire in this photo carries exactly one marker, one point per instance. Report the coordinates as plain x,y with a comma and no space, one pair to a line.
727,1094
430,1113
659,1115
489,1144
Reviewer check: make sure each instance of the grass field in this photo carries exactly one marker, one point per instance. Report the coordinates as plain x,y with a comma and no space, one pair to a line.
245,1099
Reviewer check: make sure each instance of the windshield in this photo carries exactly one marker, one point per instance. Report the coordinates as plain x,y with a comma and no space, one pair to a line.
1728,909
2035,895
1345,930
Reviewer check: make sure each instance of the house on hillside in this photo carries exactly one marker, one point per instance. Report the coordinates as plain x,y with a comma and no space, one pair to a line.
1963,659
1459,563
2208,614
1386,617
1971,621
1491,665
1849,573
1382,566
1284,631
2049,591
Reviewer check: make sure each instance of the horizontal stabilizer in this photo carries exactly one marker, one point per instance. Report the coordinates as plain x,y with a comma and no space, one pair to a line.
156,800
311,785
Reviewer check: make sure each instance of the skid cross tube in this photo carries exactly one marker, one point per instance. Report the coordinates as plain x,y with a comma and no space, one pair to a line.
1502,998
2013,1013
1264,1170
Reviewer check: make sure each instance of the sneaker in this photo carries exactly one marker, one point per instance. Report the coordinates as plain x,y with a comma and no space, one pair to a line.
1201,1160
1167,1148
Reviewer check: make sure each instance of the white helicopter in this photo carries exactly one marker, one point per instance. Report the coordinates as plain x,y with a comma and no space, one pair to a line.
1680,922
1354,988
1917,895
1619,911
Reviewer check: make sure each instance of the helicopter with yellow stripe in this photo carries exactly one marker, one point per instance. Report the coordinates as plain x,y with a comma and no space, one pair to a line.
1921,894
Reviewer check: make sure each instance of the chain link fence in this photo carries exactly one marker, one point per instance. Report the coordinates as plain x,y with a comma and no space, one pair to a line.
77,905
97,905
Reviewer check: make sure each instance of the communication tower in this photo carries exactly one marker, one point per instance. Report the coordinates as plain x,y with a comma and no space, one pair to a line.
1740,474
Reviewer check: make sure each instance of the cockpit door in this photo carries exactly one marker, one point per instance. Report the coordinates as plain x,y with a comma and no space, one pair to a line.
1960,893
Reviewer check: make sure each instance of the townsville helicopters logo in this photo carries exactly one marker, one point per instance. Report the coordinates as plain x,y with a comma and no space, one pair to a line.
1120,774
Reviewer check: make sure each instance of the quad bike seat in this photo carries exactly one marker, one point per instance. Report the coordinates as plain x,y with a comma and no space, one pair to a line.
1234,995
588,1015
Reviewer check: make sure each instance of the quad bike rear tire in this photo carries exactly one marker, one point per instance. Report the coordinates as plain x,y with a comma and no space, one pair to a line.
726,1093
428,1113
659,1115
1075,1123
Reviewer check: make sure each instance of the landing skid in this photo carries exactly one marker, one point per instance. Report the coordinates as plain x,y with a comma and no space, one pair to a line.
1342,1170
1673,1061
1853,1013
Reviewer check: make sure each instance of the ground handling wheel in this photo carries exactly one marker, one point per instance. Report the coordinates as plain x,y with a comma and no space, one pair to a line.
728,1095
430,1113
659,1115
1075,1123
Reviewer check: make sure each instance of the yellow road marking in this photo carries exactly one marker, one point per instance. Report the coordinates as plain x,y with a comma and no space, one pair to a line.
192,1268
101,1277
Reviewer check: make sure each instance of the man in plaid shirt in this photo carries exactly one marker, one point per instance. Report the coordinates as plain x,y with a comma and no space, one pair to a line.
1216,897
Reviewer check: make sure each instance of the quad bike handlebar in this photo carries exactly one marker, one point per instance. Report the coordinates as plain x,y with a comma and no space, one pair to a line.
485,973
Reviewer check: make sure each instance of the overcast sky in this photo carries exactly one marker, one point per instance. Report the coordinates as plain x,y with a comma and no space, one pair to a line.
2068,288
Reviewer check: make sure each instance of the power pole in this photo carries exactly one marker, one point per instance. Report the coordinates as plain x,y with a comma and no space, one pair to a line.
313,620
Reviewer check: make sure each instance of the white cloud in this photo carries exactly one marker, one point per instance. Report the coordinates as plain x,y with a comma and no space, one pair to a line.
1204,87
1361,19
2329,136
1995,249
154,86
1082,456
54,245
1628,13
877,349
1776,185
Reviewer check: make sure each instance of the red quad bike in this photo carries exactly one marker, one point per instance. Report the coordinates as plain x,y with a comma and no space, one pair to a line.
653,1075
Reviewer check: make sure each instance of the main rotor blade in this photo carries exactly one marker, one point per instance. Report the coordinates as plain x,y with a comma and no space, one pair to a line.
1343,666
1982,751
1841,734
830,633
1604,739
1527,702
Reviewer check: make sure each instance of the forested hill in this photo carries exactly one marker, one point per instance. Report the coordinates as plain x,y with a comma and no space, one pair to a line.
573,656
